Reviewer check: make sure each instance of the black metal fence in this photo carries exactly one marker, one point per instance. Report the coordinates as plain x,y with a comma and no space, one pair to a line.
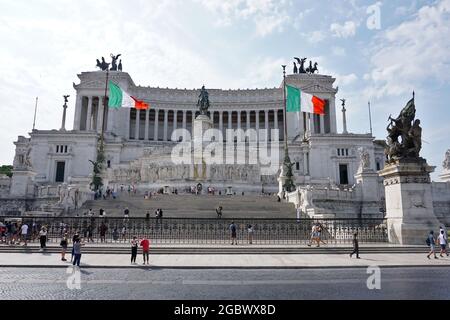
206,231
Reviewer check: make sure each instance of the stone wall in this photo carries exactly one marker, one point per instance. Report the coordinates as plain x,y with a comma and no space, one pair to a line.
441,201
5,185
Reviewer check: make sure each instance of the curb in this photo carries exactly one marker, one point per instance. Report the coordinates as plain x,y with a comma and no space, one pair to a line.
225,267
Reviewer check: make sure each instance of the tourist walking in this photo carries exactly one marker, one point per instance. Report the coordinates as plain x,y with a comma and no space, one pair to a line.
75,237
250,233
431,242
233,230
441,229
145,244
77,250
90,232
24,233
313,235
134,250
115,235
219,212
43,238
443,243
124,233
319,231
103,228
63,244
355,246
126,214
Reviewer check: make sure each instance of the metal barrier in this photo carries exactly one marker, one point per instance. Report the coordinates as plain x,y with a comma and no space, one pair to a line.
207,231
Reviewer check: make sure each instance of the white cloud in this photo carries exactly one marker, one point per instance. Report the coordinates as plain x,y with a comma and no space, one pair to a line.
415,52
346,30
315,36
338,51
269,16
346,79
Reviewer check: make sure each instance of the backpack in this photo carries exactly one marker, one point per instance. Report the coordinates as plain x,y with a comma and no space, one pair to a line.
428,241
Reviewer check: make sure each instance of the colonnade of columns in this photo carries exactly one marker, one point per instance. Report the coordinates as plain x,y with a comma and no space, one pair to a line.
158,124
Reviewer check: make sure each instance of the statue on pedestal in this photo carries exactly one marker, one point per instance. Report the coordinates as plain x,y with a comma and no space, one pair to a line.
364,163
410,133
203,101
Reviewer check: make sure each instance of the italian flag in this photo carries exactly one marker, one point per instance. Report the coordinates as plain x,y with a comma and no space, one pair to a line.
118,98
297,100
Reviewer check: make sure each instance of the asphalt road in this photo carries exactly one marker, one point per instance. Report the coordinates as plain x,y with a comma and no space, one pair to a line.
217,284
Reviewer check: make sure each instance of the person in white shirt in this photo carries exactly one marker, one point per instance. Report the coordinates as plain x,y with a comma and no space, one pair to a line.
443,242
43,238
24,233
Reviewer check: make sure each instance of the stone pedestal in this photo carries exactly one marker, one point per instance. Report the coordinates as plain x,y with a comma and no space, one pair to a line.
22,183
201,124
409,203
369,194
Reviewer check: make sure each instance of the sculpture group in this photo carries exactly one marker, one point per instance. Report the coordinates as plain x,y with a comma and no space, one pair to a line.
103,65
301,66
404,138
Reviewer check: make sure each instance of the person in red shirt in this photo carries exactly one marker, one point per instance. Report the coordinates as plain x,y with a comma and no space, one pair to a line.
145,244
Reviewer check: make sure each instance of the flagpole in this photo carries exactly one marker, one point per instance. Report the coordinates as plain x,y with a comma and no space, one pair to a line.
370,120
288,183
35,110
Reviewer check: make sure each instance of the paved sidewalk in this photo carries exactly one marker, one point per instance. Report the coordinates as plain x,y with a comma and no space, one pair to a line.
224,261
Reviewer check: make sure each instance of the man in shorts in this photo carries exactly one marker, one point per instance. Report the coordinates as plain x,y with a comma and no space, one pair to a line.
443,243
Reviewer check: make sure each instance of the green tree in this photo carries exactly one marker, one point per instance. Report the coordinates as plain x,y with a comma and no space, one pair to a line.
6,170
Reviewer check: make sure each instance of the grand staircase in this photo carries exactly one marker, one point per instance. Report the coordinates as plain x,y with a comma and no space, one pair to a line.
192,206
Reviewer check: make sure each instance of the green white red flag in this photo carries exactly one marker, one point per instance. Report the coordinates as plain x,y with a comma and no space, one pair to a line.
119,98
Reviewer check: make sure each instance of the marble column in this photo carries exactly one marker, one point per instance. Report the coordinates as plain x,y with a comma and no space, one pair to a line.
239,119
78,110
257,120
100,110
175,118
248,119
221,121
146,124
184,124
128,121
332,109
166,124
230,114
275,115
312,128
138,120
89,114
266,124
322,124
155,136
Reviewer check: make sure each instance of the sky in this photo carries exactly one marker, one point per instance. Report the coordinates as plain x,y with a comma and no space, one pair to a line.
379,51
